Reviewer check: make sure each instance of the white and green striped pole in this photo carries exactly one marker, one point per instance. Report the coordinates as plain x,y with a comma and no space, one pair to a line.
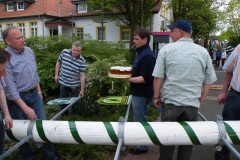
135,133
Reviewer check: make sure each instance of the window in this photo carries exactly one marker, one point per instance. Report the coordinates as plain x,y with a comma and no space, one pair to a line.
164,11
9,6
125,33
20,6
21,27
82,8
79,32
53,32
99,33
0,31
9,24
33,26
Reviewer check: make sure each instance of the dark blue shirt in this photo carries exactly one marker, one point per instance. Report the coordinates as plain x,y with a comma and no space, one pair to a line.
143,66
219,53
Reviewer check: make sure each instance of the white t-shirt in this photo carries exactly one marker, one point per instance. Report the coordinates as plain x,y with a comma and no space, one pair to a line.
224,55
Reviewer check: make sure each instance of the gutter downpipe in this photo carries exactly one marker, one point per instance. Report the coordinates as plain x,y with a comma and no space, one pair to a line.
42,24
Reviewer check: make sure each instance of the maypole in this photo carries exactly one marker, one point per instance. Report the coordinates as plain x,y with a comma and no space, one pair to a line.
134,133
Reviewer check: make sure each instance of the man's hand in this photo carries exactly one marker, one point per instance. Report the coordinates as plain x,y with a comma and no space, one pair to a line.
30,113
221,99
40,95
56,78
8,122
81,94
157,102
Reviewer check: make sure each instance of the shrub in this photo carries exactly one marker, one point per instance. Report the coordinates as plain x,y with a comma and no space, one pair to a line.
100,56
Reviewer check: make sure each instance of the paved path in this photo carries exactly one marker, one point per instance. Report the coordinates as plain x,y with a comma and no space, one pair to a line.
209,110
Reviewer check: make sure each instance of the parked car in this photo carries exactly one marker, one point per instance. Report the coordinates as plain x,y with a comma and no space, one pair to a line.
229,49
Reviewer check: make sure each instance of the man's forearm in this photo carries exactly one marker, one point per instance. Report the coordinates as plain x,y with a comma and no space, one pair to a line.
57,67
82,79
157,84
138,79
206,88
3,103
227,80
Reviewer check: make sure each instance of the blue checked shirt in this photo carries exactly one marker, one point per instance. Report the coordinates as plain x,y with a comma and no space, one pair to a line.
21,72
184,68
1,87
233,65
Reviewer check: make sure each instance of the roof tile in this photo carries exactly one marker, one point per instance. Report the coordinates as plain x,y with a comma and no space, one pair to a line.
50,8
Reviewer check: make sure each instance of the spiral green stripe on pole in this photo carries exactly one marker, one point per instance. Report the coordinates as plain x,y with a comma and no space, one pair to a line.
10,134
111,132
191,133
232,134
41,131
152,135
74,132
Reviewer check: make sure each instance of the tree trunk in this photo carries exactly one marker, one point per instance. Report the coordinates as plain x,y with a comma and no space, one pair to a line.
133,27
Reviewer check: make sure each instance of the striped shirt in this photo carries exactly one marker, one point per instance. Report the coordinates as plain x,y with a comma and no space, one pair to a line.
233,65
184,68
69,74
21,72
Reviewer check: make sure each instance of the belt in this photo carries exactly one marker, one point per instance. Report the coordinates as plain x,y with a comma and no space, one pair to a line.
235,91
29,91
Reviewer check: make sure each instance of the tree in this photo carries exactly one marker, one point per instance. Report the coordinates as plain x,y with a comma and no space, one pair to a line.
231,22
133,13
202,14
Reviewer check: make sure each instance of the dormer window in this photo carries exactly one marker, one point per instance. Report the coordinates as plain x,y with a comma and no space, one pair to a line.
82,8
20,6
9,7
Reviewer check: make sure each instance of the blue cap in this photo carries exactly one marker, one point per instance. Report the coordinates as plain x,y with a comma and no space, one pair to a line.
181,24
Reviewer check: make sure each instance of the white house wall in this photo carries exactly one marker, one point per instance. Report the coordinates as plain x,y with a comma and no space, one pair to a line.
89,27
157,19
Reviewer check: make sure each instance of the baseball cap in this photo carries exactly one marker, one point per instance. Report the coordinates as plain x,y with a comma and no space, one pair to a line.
181,24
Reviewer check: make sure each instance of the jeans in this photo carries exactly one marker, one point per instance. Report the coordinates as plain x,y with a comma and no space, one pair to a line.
223,61
2,134
35,102
69,92
140,111
172,113
217,62
231,111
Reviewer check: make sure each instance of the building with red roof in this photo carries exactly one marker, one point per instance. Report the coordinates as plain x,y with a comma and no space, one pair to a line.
71,17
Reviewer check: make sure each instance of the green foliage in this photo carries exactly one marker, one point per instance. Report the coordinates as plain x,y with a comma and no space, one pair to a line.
132,13
99,57
202,14
3,45
47,50
231,23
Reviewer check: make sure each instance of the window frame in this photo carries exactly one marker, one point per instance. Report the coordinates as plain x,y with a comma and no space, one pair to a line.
82,8
22,28
35,29
76,30
98,35
19,5
121,34
7,7
9,24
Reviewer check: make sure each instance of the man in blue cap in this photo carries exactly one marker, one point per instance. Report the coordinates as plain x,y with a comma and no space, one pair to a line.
184,73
